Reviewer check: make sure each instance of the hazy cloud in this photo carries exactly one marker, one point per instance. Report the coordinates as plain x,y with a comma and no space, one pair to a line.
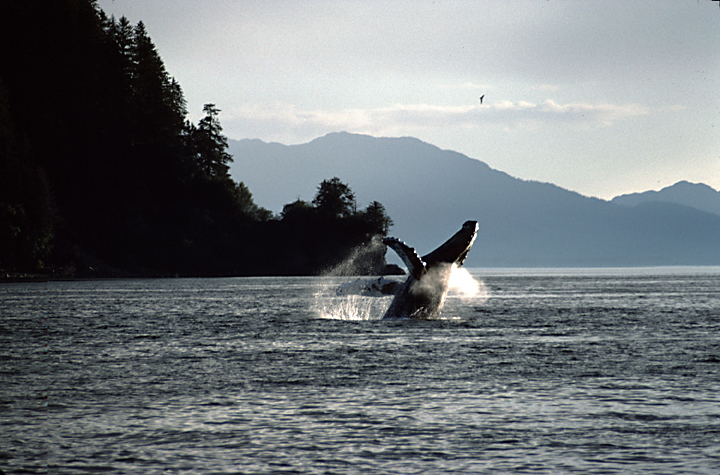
406,118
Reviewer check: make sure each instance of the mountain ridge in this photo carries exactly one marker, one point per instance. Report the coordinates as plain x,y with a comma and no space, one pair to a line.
694,195
429,192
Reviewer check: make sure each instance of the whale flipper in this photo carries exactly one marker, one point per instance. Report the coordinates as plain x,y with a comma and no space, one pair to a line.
416,266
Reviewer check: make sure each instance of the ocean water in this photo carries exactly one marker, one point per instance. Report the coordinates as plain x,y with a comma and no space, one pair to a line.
528,371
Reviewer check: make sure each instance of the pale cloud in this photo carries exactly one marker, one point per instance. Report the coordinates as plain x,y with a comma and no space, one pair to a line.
406,118
602,113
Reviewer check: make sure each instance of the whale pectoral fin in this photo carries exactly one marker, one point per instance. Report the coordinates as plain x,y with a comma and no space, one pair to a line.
409,256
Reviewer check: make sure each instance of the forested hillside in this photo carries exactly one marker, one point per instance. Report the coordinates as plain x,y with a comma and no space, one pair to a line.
101,173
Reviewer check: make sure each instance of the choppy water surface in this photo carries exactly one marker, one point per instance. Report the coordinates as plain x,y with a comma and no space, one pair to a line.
614,371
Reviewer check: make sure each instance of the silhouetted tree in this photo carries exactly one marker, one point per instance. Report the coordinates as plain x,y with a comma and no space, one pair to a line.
158,97
334,199
246,205
209,145
376,216
297,210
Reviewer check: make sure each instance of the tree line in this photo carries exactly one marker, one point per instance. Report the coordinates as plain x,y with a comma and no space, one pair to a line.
101,172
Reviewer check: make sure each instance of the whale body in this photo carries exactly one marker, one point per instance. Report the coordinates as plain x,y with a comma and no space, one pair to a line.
422,295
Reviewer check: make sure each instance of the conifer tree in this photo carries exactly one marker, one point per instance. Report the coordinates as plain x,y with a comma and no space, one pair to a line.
334,199
376,215
161,107
210,145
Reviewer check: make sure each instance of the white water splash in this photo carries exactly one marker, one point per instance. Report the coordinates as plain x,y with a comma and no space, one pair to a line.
351,307
466,286
331,305
359,260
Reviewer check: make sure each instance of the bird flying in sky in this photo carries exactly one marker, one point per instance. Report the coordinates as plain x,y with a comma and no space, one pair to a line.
481,98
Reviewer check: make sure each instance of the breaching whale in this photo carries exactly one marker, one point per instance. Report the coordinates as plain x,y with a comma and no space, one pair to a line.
423,293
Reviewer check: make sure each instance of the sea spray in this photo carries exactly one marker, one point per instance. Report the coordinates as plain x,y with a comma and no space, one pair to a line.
350,307
464,285
328,304
365,259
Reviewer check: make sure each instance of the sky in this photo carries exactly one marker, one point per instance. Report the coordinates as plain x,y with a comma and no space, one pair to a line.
599,97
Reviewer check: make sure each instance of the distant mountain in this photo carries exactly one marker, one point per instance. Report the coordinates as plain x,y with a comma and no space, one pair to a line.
694,195
430,192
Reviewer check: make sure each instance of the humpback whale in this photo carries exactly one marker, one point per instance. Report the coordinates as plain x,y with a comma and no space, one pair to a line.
423,294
